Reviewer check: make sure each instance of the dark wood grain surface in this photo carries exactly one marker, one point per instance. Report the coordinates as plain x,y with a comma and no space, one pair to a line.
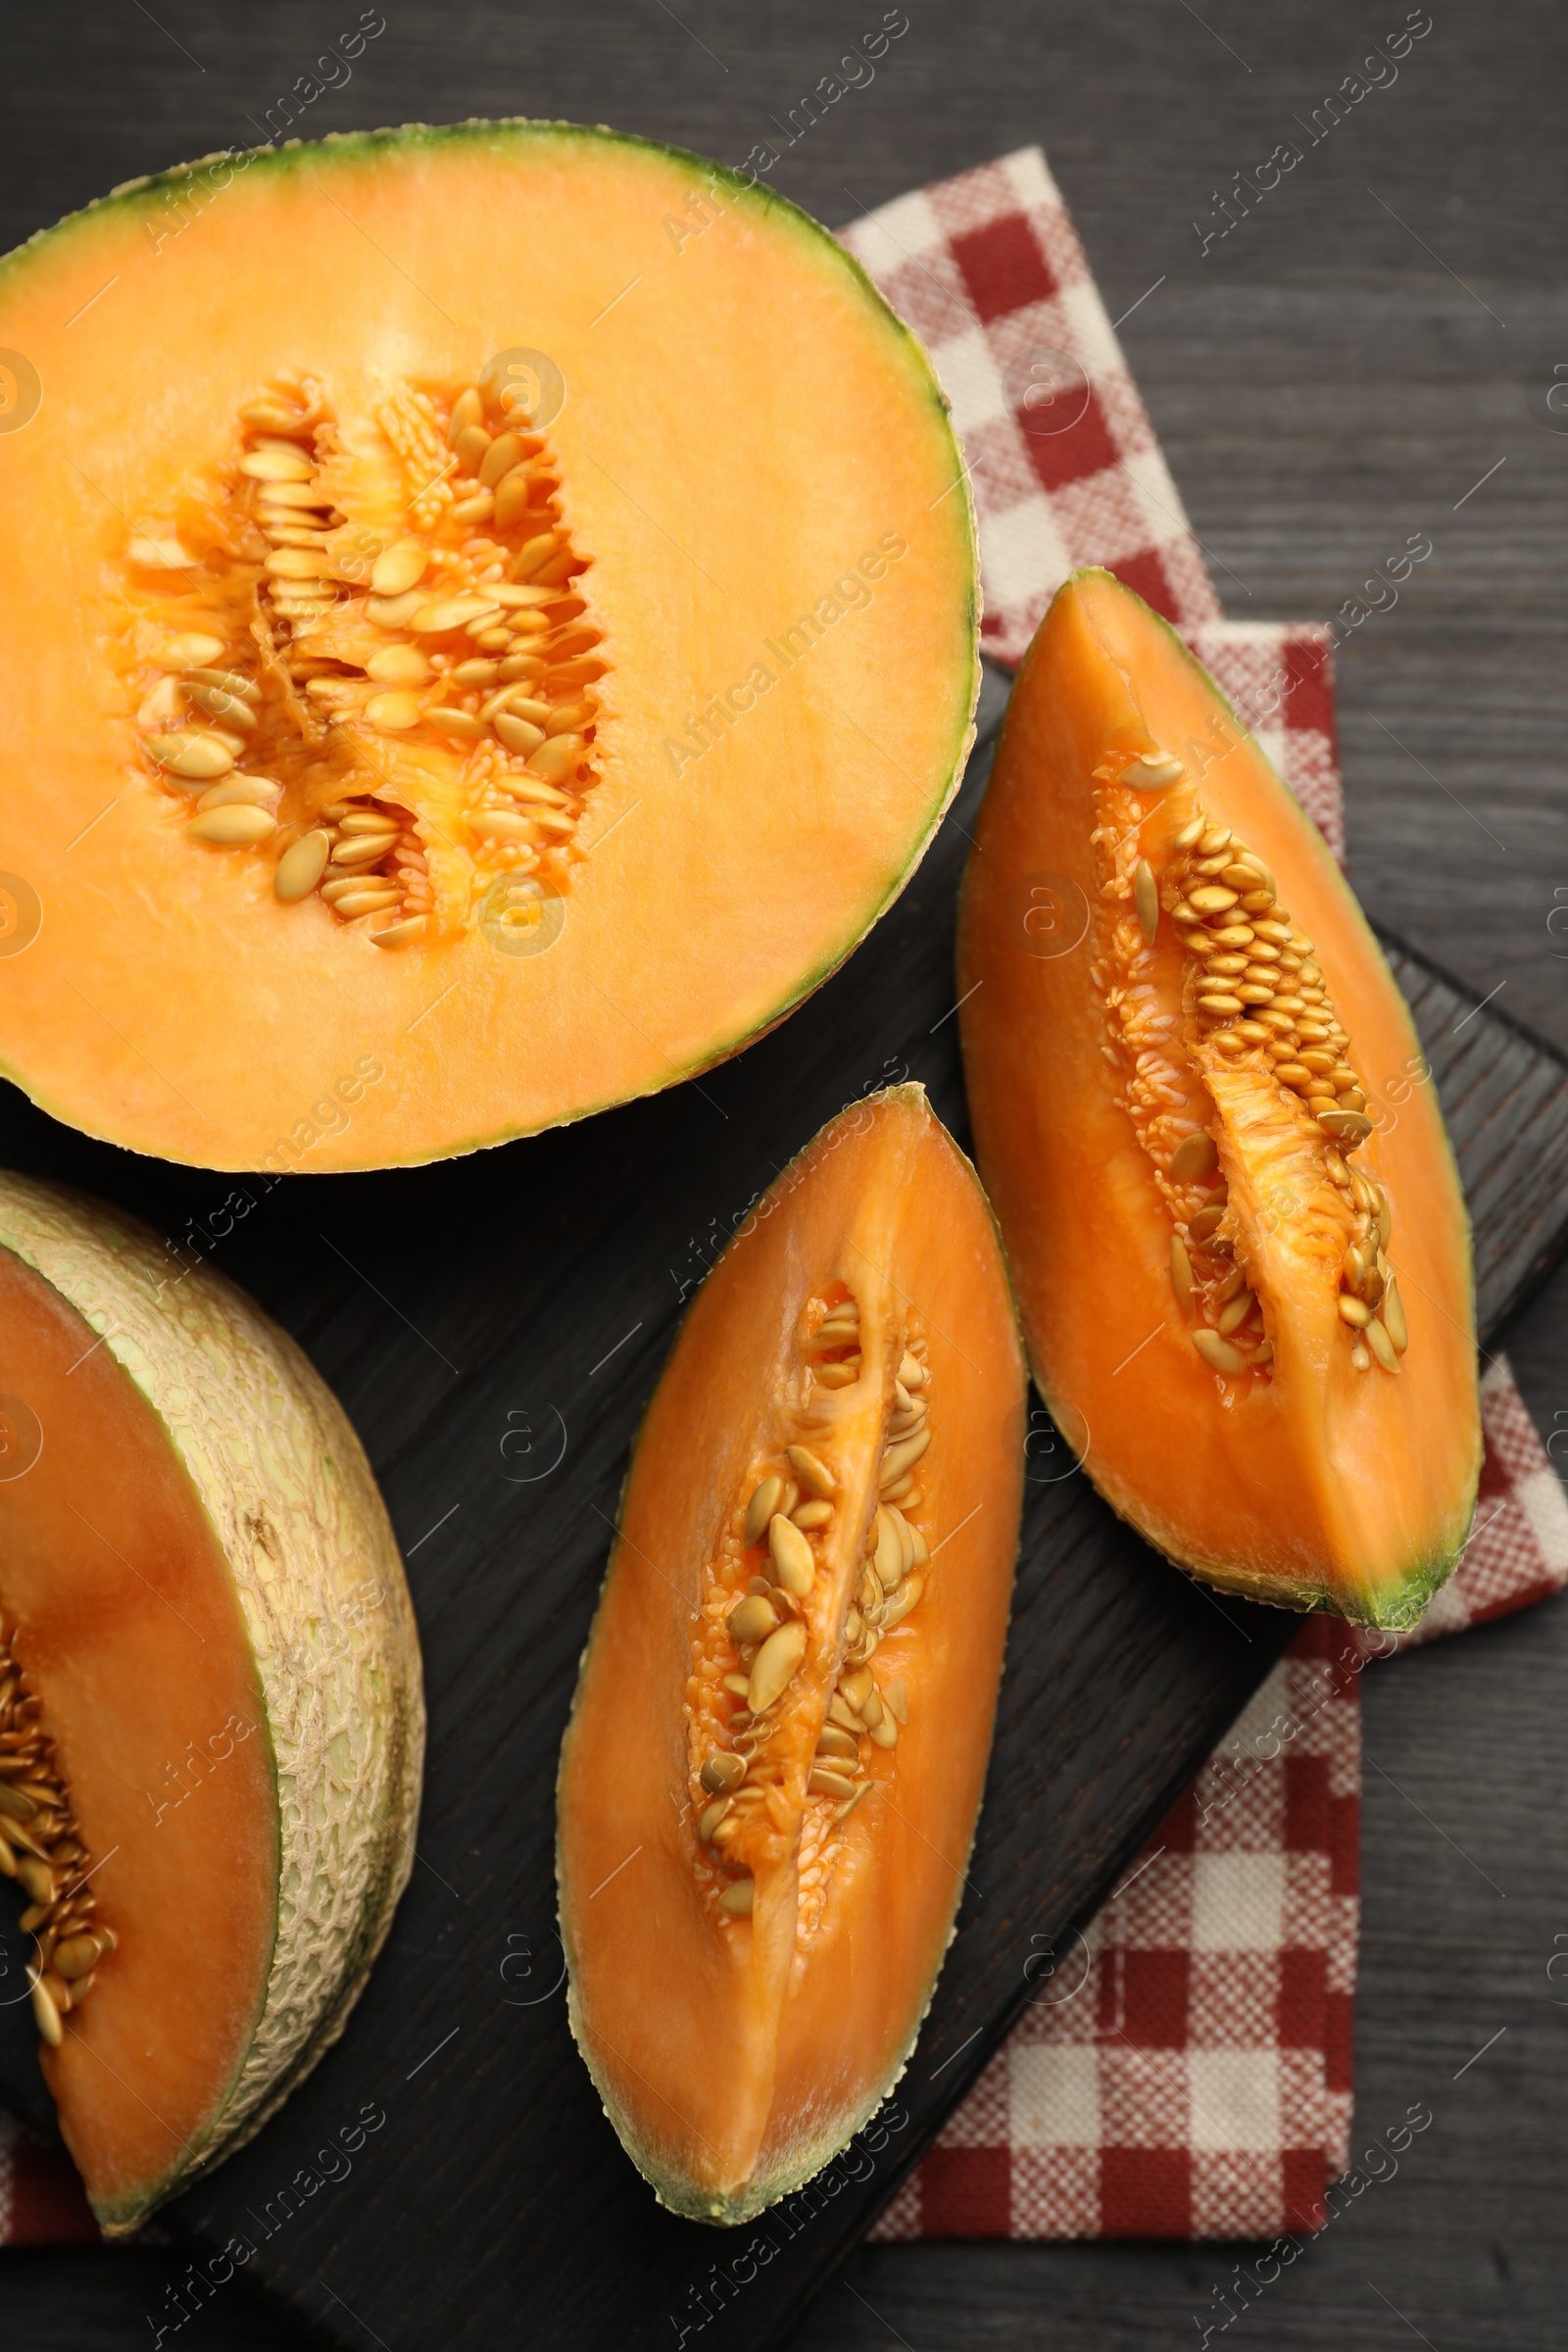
1337,373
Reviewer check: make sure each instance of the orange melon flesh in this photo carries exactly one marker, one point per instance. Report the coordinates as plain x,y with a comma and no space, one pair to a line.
1319,1487
127,1626
734,2055
748,441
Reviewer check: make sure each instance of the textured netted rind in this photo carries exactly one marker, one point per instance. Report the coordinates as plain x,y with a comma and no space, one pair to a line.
320,1581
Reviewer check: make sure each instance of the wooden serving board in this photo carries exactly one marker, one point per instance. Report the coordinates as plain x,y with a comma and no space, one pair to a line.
494,1326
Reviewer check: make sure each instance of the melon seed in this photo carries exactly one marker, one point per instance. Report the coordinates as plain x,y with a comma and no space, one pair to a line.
761,1507
751,1619
1181,1273
46,2016
899,1459
775,1662
885,1730
35,1878
1203,1224
793,1561
842,1713
1234,1315
814,1473
901,1602
520,735
1394,1320
825,1781
1146,899
193,752
301,866
1152,772
237,791
556,759
1194,1157
221,702
811,1515
1354,1311
737,1685
77,1955
190,649
736,1900
723,1772
833,1740
235,828
1218,1354
712,1818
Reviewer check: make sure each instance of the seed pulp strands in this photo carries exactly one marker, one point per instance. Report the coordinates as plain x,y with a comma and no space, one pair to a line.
766,1615
41,1848
1253,992
379,618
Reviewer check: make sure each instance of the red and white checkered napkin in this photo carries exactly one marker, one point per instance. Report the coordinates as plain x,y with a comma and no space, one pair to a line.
1185,2071
1185,2068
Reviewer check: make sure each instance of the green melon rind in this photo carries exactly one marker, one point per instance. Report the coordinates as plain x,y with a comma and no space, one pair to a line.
296,1514
807,2158
351,146
1406,1595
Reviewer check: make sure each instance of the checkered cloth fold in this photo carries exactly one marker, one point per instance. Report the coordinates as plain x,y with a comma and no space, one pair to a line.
1185,2068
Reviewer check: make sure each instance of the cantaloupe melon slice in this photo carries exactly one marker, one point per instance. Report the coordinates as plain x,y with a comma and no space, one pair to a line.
769,1784
211,1724
501,601
1241,1252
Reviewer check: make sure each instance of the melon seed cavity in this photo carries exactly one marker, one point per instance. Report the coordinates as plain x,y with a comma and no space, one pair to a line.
41,1848
1254,995
764,1619
362,663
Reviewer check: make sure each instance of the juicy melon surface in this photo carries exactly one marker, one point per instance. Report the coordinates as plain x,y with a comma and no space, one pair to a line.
732,525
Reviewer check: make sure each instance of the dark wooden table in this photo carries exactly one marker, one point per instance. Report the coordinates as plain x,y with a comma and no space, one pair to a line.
1368,354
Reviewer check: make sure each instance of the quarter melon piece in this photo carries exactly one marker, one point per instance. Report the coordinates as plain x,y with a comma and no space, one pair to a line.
513,617
770,1779
1241,1250
211,1724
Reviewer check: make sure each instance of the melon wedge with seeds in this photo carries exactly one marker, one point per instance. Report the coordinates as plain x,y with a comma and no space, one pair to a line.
770,1779
513,618
213,1680
1241,1254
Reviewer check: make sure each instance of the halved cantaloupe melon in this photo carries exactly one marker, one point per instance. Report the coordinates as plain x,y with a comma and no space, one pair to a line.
498,599
769,1784
211,1725
1241,1254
